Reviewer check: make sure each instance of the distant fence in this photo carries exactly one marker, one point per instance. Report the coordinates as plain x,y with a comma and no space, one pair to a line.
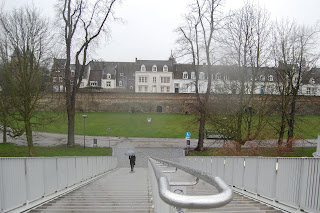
27,180
287,183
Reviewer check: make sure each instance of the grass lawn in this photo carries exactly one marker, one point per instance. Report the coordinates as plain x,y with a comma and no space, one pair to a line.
162,125
266,152
10,150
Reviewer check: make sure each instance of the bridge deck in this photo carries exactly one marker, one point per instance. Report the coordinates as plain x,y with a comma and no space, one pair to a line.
118,191
125,191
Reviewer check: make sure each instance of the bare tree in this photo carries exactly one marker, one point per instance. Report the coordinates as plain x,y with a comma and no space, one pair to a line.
24,46
83,22
197,41
246,44
294,51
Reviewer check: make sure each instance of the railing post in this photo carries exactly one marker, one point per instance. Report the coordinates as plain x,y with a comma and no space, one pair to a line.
318,146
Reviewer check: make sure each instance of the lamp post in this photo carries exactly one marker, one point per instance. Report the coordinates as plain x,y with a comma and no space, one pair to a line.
84,130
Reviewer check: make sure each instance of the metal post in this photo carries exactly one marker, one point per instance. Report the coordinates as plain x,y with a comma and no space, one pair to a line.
84,130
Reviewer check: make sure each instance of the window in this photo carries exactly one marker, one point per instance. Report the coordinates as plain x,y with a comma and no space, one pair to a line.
146,89
308,90
72,73
270,78
312,81
108,76
121,74
140,88
143,68
143,79
60,78
162,89
108,83
218,76
202,75
82,84
131,87
71,82
55,88
165,79
154,68
165,68
120,83
193,75
185,75
262,78
55,79
314,91
93,83
154,79
168,89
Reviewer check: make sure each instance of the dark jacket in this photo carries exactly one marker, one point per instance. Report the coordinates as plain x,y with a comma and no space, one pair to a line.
132,159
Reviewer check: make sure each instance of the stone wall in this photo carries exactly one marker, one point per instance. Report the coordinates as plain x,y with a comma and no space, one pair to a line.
170,103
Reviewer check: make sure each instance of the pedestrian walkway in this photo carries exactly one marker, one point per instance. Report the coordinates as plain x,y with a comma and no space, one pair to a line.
143,153
118,191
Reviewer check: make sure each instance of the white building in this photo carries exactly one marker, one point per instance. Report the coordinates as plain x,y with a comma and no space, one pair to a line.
154,76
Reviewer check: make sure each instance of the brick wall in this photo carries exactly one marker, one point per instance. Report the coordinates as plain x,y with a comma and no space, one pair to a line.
170,103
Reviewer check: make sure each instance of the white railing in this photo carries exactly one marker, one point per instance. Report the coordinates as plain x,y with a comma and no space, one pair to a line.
161,188
291,184
317,154
26,182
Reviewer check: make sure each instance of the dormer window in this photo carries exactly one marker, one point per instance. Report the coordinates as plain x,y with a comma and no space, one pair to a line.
312,81
72,73
185,75
165,68
270,78
262,78
143,68
108,76
193,75
154,68
202,75
218,76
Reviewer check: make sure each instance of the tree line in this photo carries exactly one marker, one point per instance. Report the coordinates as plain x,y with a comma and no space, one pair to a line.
245,37
250,40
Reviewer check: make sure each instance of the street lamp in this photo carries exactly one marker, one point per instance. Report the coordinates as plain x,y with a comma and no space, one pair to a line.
84,130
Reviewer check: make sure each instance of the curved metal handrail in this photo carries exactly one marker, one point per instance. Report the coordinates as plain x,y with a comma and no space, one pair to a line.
190,201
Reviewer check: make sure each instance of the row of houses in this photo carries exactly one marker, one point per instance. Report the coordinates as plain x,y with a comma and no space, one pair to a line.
167,76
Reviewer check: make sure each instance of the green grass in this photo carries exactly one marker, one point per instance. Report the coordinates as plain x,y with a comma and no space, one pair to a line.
125,124
163,125
266,152
10,150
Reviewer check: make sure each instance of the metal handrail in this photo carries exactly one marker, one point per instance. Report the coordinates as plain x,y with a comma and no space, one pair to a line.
190,201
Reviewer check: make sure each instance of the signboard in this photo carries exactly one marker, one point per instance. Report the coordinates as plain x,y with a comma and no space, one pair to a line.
188,134
149,120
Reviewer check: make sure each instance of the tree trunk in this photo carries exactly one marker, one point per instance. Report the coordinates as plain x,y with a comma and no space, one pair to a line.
291,123
71,120
4,133
29,138
201,130
282,129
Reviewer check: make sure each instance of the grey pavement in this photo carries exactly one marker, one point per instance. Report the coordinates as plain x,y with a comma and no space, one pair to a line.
54,139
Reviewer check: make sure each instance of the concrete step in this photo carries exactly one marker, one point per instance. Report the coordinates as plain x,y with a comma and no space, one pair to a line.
118,191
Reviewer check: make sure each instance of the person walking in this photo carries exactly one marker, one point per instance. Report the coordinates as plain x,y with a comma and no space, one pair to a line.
132,159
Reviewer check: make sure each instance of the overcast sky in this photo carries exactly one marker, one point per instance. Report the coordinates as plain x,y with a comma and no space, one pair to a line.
147,31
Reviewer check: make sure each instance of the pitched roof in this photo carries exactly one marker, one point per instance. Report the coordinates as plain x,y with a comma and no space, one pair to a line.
150,63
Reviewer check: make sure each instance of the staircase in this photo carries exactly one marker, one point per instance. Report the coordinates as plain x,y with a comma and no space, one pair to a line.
118,191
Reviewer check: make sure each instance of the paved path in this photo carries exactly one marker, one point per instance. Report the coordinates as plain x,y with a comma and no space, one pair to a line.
117,191
54,139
